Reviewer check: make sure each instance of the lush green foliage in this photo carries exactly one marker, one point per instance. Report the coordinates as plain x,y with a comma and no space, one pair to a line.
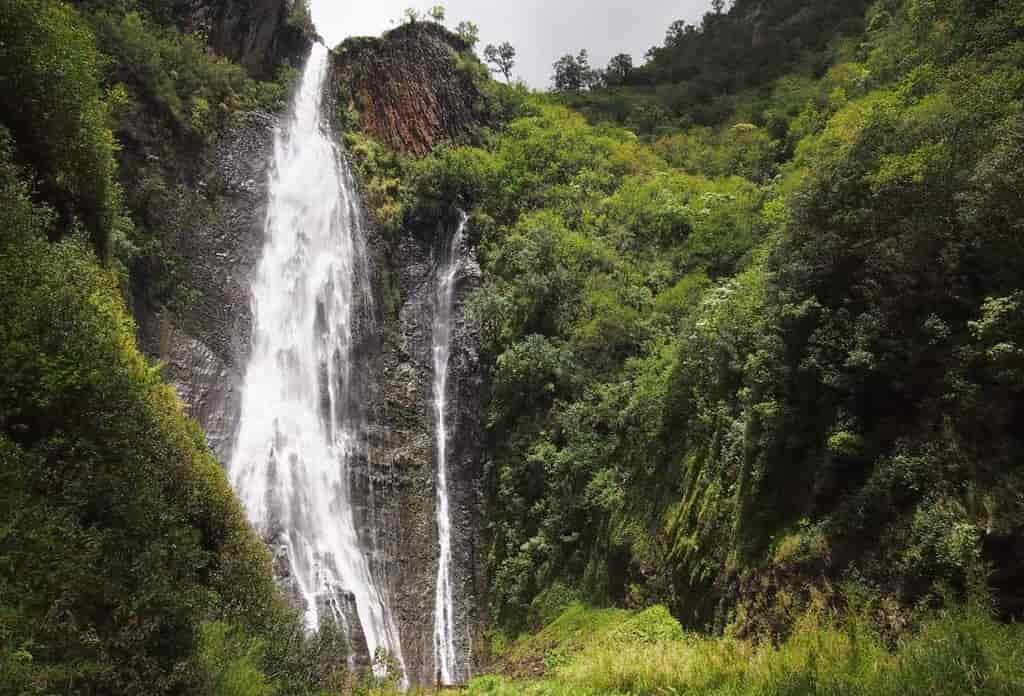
958,652
162,69
608,652
595,251
52,101
704,74
781,348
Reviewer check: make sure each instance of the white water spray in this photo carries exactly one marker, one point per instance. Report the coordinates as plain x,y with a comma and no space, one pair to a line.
446,270
301,430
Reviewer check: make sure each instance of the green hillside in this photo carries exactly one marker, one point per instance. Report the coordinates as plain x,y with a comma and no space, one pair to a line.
126,564
751,320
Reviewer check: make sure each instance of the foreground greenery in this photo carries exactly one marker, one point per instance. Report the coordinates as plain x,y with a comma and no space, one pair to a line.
960,652
612,652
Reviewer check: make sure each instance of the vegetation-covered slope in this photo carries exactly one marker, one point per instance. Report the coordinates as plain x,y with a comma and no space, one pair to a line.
705,74
587,652
126,565
778,351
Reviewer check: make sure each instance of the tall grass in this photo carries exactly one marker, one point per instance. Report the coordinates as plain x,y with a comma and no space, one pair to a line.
961,651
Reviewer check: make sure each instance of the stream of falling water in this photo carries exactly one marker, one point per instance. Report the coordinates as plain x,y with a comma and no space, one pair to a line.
301,430
446,270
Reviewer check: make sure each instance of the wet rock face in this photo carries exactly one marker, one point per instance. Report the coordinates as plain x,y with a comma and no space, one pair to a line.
204,345
256,34
408,87
406,444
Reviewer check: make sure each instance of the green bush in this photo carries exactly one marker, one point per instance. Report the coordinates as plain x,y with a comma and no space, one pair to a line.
175,73
231,662
53,104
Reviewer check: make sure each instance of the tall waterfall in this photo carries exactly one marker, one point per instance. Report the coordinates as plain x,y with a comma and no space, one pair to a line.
301,431
446,270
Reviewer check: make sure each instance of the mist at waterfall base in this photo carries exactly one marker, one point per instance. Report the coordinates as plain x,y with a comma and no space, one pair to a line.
446,274
300,429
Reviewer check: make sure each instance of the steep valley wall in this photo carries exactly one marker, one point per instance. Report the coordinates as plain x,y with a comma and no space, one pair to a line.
203,344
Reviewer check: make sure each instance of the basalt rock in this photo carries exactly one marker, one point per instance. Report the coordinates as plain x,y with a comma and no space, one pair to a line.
405,420
259,35
413,88
411,94
203,341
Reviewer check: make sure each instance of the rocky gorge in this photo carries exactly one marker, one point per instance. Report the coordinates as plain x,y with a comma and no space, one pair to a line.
204,346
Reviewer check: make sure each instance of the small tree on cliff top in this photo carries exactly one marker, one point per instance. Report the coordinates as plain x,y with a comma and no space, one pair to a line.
619,70
502,58
468,32
573,73
437,13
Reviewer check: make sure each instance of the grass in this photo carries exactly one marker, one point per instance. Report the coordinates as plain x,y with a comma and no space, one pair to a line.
615,653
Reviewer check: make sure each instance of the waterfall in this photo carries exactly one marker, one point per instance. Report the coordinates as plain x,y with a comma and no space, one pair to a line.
446,269
301,432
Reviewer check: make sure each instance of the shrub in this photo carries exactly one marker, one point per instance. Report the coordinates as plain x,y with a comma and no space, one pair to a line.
52,102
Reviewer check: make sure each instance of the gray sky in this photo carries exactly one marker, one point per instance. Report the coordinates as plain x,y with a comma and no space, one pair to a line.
541,30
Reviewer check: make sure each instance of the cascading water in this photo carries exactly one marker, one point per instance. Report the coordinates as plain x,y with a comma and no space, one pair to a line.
301,430
446,270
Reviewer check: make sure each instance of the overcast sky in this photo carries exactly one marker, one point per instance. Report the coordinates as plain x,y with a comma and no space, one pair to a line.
541,30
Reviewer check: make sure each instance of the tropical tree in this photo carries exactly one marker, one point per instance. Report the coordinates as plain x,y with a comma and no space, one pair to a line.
501,58
468,32
573,73
619,70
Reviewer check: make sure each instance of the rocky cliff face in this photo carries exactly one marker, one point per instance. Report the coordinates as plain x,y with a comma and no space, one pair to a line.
259,35
204,341
405,448
205,208
412,89
416,100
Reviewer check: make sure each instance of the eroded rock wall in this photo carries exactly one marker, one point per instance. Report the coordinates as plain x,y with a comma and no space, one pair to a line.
406,281
203,342
259,35
412,88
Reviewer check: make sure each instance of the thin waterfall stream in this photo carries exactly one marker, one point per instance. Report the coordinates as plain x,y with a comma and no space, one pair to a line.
301,431
446,273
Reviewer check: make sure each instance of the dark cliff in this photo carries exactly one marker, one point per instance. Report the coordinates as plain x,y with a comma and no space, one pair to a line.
413,88
407,275
196,188
259,35
211,220
212,227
